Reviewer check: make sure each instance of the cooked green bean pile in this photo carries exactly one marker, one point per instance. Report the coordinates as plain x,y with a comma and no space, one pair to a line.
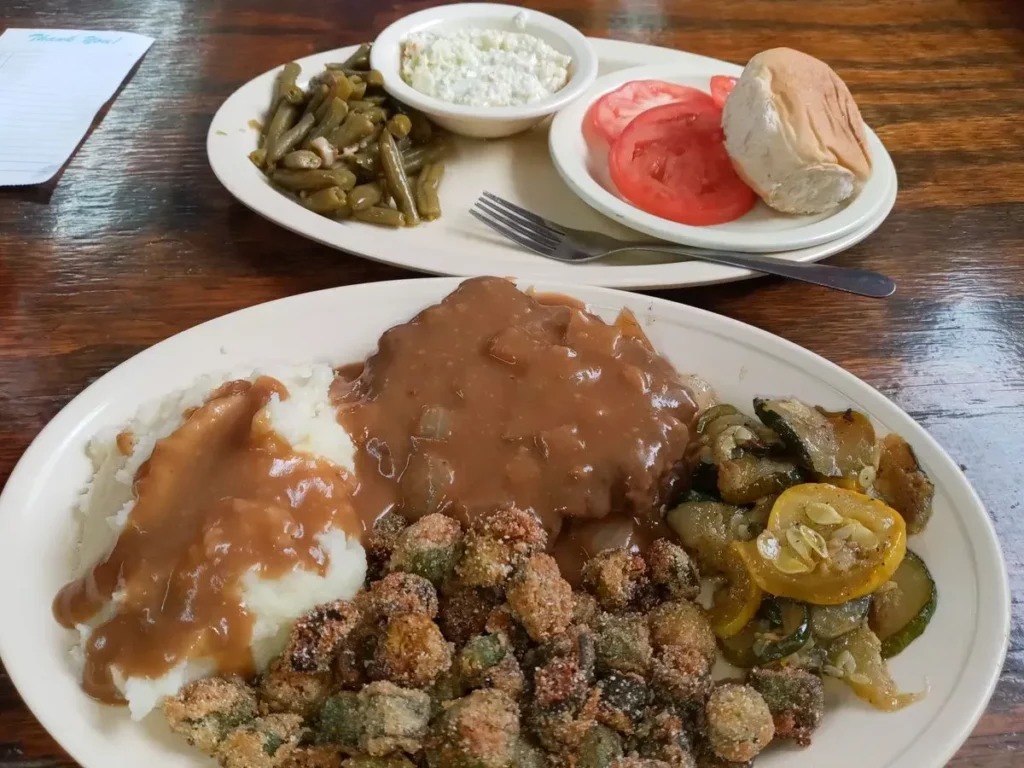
345,149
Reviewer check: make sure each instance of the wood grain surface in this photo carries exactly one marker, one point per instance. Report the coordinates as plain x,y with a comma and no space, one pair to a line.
136,240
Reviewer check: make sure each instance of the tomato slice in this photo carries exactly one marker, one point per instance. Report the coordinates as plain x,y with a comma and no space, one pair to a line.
671,162
610,114
721,87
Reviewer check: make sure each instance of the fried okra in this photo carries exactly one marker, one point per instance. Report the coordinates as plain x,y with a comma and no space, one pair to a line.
530,756
381,542
411,652
600,748
623,643
561,728
399,593
391,761
585,609
796,699
682,623
497,544
739,723
319,634
624,699
640,762
487,661
205,711
540,598
480,730
339,722
430,548
464,611
616,577
394,719
562,670
312,757
282,689
502,621
681,675
663,736
672,571
265,742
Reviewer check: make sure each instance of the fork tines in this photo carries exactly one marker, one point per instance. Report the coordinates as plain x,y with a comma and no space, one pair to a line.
518,224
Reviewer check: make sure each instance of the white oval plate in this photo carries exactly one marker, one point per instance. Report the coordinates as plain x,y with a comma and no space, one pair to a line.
762,230
518,168
960,654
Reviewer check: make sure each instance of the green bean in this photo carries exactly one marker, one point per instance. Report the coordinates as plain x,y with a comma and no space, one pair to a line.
326,200
415,158
358,87
302,159
427,201
376,114
290,139
387,217
336,112
362,105
399,125
358,60
339,87
363,163
283,119
397,181
356,126
258,157
372,78
365,196
287,90
369,144
309,181
420,131
316,99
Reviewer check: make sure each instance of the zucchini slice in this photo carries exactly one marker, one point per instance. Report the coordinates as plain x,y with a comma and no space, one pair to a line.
902,483
856,658
804,430
902,608
781,629
748,478
713,413
830,621
857,447
790,622
704,528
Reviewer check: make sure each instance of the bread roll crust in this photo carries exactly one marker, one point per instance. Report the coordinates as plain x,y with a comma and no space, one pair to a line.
795,134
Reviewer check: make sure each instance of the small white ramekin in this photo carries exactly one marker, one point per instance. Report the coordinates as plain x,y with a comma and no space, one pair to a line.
484,122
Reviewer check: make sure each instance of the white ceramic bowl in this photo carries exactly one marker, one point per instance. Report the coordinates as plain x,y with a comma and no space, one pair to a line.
485,122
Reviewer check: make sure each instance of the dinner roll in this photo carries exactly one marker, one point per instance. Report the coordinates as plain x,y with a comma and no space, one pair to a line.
794,132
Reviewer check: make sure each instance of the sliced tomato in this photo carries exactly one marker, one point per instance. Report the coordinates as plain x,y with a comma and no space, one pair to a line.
610,114
671,162
721,87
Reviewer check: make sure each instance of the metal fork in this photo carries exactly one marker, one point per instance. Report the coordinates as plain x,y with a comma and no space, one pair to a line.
575,246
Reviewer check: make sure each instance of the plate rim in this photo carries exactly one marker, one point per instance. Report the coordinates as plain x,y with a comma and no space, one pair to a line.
234,172
993,633
567,123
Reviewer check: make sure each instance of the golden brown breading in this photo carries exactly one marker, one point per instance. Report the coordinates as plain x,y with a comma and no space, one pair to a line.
480,730
540,598
394,719
412,652
319,634
683,623
430,548
497,544
312,757
739,723
464,611
616,577
205,711
673,571
399,593
681,675
282,689
266,742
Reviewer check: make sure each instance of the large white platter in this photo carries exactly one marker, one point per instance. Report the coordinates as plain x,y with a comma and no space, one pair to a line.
518,169
585,169
960,655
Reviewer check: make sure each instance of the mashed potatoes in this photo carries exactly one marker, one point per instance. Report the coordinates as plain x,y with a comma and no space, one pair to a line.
306,421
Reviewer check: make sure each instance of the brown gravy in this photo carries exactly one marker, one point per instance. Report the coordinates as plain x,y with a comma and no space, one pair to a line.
494,397
218,497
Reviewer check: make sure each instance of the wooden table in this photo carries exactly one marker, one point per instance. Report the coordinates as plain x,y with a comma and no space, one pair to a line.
137,240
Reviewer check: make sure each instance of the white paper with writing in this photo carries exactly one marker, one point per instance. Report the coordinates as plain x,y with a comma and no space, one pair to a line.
52,84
